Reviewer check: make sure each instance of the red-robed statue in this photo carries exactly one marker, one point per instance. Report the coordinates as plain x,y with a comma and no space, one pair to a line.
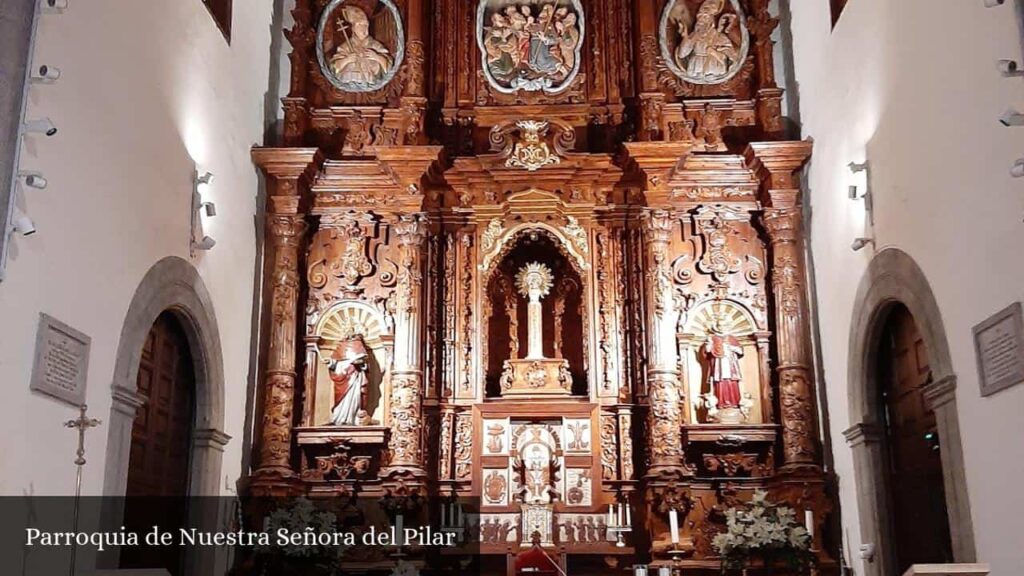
347,367
723,352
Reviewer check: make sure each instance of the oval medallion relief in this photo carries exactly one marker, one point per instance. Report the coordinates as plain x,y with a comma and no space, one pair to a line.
704,41
530,45
360,44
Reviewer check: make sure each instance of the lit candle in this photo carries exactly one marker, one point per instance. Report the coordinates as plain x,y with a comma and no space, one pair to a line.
611,515
809,522
673,521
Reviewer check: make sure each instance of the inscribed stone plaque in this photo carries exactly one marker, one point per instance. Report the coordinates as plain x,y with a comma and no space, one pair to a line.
999,345
62,360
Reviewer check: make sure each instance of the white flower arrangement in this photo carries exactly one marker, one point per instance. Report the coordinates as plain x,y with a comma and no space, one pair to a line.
300,516
762,530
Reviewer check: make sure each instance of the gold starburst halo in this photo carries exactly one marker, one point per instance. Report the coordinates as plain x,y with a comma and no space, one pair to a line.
534,278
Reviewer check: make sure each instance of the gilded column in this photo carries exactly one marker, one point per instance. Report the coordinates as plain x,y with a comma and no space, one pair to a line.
777,164
665,414
286,225
407,375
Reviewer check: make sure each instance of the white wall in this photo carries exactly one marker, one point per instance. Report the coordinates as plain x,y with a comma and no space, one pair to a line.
911,86
149,89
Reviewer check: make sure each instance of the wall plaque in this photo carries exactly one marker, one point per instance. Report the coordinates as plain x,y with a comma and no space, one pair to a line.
999,346
61,362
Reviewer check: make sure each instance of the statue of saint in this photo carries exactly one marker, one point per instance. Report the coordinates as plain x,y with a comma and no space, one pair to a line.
707,52
723,352
347,366
359,59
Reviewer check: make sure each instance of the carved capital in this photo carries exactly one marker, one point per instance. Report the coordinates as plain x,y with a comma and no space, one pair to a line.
782,225
863,433
411,229
658,225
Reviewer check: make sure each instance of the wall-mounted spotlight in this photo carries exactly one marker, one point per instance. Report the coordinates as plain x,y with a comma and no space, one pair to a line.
45,74
209,208
1009,68
206,243
1012,118
33,179
860,243
856,167
58,6
203,182
1017,170
21,223
41,126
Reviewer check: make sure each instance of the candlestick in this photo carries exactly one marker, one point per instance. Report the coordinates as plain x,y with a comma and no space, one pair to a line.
664,571
639,570
622,515
611,515
629,521
809,523
673,521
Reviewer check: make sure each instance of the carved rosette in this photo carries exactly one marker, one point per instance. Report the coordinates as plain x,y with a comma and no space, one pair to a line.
796,394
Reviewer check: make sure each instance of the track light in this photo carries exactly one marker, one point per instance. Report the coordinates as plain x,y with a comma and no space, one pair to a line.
46,74
21,223
33,179
55,6
209,208
41,126
205,244
861,243
856,167
993,3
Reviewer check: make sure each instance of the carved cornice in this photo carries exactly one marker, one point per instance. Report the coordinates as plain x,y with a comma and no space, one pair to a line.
863,433
211,438
939,393
287,163
658,162
776,164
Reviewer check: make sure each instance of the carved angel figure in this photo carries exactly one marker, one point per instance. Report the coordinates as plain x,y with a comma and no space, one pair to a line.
359,59
706,51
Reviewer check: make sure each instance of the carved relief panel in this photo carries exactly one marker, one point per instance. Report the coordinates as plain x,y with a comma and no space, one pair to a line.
360,44
704,41
530,47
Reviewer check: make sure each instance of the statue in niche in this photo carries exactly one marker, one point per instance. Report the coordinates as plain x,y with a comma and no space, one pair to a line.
530,47
707,51
723,351
347,367
708,47
359,59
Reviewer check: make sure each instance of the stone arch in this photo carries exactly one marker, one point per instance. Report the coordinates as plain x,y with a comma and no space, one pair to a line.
894,278
174,285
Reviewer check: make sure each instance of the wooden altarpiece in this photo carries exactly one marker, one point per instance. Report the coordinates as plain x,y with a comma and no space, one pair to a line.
431,150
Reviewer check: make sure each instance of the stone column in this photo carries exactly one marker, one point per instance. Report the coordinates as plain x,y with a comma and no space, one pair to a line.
665,414
777,164
286,171
407,373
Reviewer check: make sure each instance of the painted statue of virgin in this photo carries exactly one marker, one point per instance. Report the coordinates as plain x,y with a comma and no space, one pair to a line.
347,367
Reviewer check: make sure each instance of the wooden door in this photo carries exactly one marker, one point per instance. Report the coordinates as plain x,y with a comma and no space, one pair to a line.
158,468
917,499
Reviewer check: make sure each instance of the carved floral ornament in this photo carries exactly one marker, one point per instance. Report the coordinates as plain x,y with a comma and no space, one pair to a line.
360,46
530,46
571,239
704,41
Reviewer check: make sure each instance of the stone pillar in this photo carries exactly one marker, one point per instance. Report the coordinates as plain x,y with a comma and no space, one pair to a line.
407,374
665,414
286,170
777,165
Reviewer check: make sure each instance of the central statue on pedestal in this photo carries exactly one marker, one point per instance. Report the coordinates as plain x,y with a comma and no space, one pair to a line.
535,374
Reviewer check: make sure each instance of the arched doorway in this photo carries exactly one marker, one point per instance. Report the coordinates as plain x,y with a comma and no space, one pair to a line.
894,300
161,443
920,523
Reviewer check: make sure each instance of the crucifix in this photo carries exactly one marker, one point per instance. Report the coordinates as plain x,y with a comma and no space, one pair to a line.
82,424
